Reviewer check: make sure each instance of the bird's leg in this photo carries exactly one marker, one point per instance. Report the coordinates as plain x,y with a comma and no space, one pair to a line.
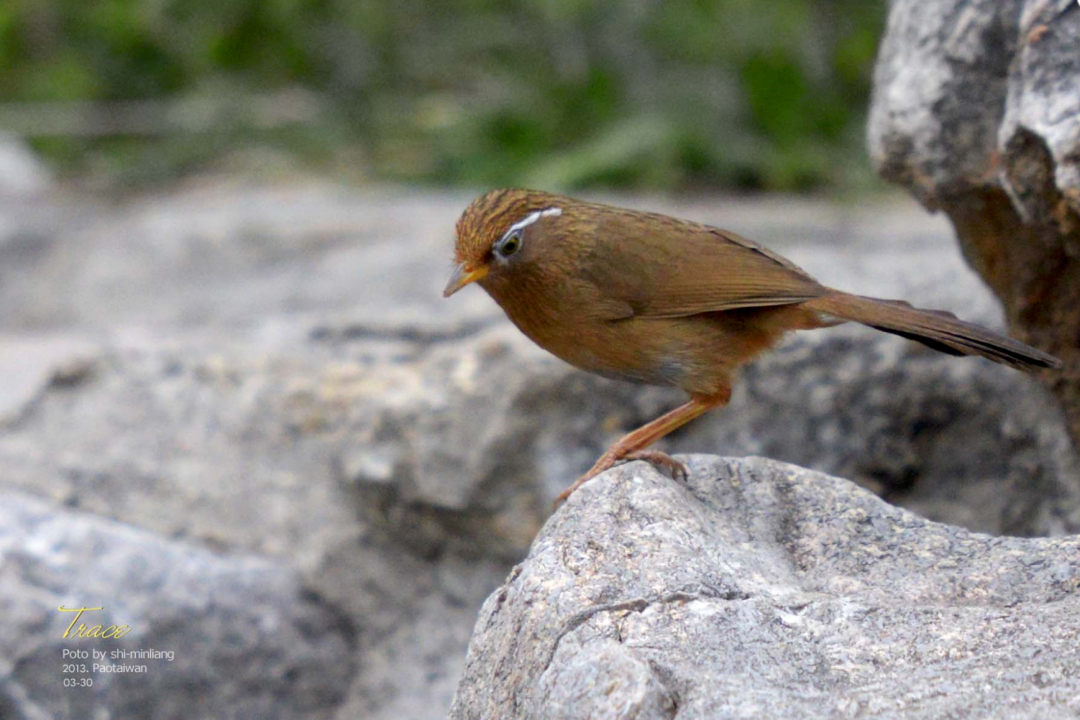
632,445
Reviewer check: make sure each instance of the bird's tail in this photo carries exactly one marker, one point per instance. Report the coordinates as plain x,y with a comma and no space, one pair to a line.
937,329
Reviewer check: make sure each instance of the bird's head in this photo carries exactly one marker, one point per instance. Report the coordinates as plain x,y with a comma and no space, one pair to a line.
498,234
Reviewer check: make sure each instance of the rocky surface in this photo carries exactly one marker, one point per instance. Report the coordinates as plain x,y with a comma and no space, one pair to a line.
238,636
976,111
22,174
270,372
760,589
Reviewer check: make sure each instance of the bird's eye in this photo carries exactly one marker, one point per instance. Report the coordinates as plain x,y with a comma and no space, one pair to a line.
510,245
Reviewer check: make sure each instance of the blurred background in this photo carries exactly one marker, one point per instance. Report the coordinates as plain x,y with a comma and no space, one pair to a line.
643,94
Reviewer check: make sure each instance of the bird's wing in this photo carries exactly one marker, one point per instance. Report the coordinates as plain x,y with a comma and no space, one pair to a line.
691,269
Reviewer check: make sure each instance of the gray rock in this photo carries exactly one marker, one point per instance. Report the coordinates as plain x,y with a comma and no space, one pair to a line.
760,589
237,636
976,110
235,450
958,81
22,174
30,364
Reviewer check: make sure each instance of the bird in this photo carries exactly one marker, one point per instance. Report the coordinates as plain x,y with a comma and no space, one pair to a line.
652,299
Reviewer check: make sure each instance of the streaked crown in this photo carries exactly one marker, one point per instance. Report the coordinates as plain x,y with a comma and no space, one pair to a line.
490,216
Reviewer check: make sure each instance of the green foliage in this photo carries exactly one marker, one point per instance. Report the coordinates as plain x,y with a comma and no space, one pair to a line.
560,93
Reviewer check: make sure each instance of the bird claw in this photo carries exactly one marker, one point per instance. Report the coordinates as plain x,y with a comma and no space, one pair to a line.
678,470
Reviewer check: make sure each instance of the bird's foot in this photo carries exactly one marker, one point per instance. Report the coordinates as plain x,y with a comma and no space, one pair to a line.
609,459
678,470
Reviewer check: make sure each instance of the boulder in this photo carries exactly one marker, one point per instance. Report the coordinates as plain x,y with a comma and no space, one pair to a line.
976,110
196,634
760,589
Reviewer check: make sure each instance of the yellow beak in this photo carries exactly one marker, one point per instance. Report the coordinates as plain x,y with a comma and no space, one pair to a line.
462,276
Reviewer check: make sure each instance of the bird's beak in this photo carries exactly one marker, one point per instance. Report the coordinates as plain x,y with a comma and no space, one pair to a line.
462,276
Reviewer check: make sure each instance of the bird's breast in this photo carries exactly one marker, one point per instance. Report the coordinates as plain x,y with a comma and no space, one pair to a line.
681,352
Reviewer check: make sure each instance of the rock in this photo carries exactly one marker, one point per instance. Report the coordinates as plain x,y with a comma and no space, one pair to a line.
30,365
230,449
976,110
22,174
237,636
760,589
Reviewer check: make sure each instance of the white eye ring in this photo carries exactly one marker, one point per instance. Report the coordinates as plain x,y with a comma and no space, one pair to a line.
510,244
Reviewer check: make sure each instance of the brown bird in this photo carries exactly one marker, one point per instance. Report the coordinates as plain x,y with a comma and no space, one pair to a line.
651,299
